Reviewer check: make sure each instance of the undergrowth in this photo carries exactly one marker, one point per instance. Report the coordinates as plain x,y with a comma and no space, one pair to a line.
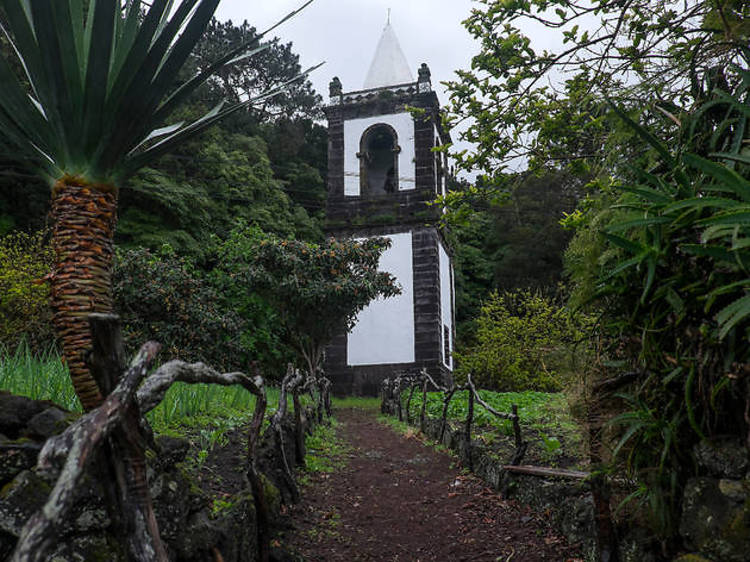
543,411
326,450
356,402
211,407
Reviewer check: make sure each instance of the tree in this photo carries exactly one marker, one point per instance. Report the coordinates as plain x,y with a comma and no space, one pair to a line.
547,107
316,290
250,77
100,84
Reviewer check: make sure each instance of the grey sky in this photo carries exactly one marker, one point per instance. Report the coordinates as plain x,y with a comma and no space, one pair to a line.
344,33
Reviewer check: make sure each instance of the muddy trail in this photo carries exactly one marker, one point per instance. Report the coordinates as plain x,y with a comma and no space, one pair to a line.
401,500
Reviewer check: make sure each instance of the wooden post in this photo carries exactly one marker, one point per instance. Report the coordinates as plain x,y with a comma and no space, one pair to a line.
469,419
253,475
299,437
398,399
125,453
521,445
444,419
408,402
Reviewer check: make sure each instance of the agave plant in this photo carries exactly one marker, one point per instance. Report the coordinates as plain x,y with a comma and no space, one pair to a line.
99,86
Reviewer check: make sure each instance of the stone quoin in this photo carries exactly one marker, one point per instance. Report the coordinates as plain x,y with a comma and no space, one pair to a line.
383,173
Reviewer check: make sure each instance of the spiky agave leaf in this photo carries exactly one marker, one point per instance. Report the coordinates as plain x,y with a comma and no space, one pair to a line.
100,79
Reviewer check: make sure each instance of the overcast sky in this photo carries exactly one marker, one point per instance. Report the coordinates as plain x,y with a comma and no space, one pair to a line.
344,33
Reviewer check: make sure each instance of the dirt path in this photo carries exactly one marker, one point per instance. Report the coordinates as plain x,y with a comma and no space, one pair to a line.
400,500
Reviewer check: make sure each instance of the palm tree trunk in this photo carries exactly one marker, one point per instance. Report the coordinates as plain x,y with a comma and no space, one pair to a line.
84,219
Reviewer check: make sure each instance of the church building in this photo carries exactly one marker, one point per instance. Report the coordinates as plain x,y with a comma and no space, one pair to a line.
383,175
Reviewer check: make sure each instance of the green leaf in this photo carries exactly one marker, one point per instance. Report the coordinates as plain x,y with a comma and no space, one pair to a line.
709,251
645,135
637,223
720,173
625,244
734,218
698,203
648,194
733,314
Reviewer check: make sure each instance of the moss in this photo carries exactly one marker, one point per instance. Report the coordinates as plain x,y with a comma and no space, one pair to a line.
273,496
29,485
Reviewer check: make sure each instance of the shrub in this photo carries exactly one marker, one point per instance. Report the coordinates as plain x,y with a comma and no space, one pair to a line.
670,248
164,298
524,341
24,298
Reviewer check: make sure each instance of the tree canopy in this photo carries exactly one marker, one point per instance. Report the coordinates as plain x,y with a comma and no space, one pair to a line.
317,290
547,106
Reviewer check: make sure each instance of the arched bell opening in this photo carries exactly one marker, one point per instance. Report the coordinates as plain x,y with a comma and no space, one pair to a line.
378,156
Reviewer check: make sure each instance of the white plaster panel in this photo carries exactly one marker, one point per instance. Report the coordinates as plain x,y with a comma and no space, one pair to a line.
446,302
384,332
403,124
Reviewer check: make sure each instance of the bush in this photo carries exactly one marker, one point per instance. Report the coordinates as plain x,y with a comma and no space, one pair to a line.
164,298
24,298
524,341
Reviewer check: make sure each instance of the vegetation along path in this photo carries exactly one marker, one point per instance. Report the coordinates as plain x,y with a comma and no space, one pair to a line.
397,498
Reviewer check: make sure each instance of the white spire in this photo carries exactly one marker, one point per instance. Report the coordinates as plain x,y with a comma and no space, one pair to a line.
389,66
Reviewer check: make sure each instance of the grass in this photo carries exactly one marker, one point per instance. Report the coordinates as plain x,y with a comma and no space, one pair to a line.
546,422
212,407
42,377
546,412
356,402
326,451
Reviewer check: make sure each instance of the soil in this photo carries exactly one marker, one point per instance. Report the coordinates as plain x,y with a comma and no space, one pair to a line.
401,500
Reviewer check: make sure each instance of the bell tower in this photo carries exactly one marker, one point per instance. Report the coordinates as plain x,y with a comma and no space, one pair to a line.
383,173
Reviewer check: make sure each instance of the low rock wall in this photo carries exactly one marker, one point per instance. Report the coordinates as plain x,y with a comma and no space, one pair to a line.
190,525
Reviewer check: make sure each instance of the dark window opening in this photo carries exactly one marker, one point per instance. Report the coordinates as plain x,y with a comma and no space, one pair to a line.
446,346
379,160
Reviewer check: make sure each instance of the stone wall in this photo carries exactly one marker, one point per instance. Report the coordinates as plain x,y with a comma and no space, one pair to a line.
189,522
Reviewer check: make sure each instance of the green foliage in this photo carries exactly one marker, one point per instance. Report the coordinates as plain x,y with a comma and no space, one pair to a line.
201,191
543,411
40,375
524,341
326,451
543,101
164,298
25,259
315,289
507,242
91,71
212,409
672,281
249,77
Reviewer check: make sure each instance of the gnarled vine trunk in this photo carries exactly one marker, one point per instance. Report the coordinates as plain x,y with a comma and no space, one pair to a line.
84,218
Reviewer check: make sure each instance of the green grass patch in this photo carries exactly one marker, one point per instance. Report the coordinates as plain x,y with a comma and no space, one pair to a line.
394,424
326,451
208,408
543,411
554,437
41,377
356,402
